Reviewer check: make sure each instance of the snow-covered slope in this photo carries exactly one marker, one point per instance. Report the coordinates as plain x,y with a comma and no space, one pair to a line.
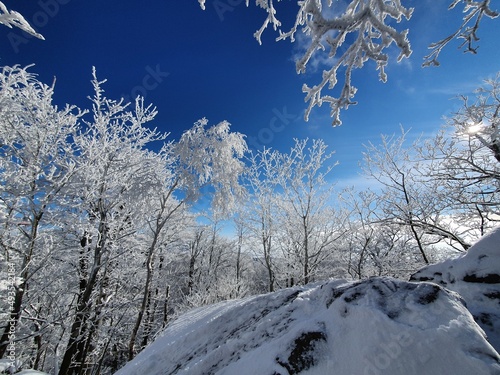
476,276
377,326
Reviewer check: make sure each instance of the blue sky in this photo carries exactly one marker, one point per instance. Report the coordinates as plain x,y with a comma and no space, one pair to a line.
191,64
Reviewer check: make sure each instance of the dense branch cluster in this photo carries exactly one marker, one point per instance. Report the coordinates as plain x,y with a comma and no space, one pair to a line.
104,236
106,241
447,185
360,32
84,195
371,35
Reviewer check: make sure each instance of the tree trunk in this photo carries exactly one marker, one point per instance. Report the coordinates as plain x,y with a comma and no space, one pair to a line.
165,306
77,339
14,319
15,313
238,265
306,249
267,258
192,263
149,319
144,303
410,220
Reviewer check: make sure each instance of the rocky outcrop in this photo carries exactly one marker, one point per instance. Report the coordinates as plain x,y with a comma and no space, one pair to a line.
476,277
377,326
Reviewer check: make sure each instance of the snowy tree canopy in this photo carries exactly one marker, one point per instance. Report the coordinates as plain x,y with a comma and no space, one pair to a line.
215,163
355,32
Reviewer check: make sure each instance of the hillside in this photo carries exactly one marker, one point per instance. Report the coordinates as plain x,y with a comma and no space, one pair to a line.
376,326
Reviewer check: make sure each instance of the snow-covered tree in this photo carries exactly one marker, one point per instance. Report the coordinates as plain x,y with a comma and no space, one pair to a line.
117,175
120,178
36,165
373,246
91,218
444,189
409,196
465,158
259,211
390,165
354,32
216,163
289,213
305,208
216,267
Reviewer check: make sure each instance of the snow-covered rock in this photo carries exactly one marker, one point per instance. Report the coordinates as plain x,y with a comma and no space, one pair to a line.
7,367
377,326
476,277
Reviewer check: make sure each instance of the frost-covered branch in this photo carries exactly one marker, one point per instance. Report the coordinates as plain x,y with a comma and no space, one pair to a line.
474,11
14,19
364,21
481,118
357,31
210,156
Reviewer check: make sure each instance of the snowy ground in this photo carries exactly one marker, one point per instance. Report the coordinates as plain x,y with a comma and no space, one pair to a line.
476,277
377,326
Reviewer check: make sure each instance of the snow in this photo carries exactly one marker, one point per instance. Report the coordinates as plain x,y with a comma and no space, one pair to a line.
13,18
7,367
476,277
376,326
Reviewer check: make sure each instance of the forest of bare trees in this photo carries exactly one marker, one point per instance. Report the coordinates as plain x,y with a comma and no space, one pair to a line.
108,240
110,229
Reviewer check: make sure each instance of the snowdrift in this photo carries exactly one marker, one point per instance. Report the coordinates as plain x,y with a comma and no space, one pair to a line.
476,277
377,326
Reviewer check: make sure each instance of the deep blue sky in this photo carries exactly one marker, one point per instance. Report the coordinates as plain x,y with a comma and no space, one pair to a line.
207,64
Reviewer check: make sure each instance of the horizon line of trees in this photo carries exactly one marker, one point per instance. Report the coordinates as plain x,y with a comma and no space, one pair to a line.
107,245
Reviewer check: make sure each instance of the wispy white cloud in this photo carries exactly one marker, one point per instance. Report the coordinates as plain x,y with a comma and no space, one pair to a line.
358,182
456,87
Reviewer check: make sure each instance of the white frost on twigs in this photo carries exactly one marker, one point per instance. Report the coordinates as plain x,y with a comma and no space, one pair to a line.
366,22
360,31
12,18
473,11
